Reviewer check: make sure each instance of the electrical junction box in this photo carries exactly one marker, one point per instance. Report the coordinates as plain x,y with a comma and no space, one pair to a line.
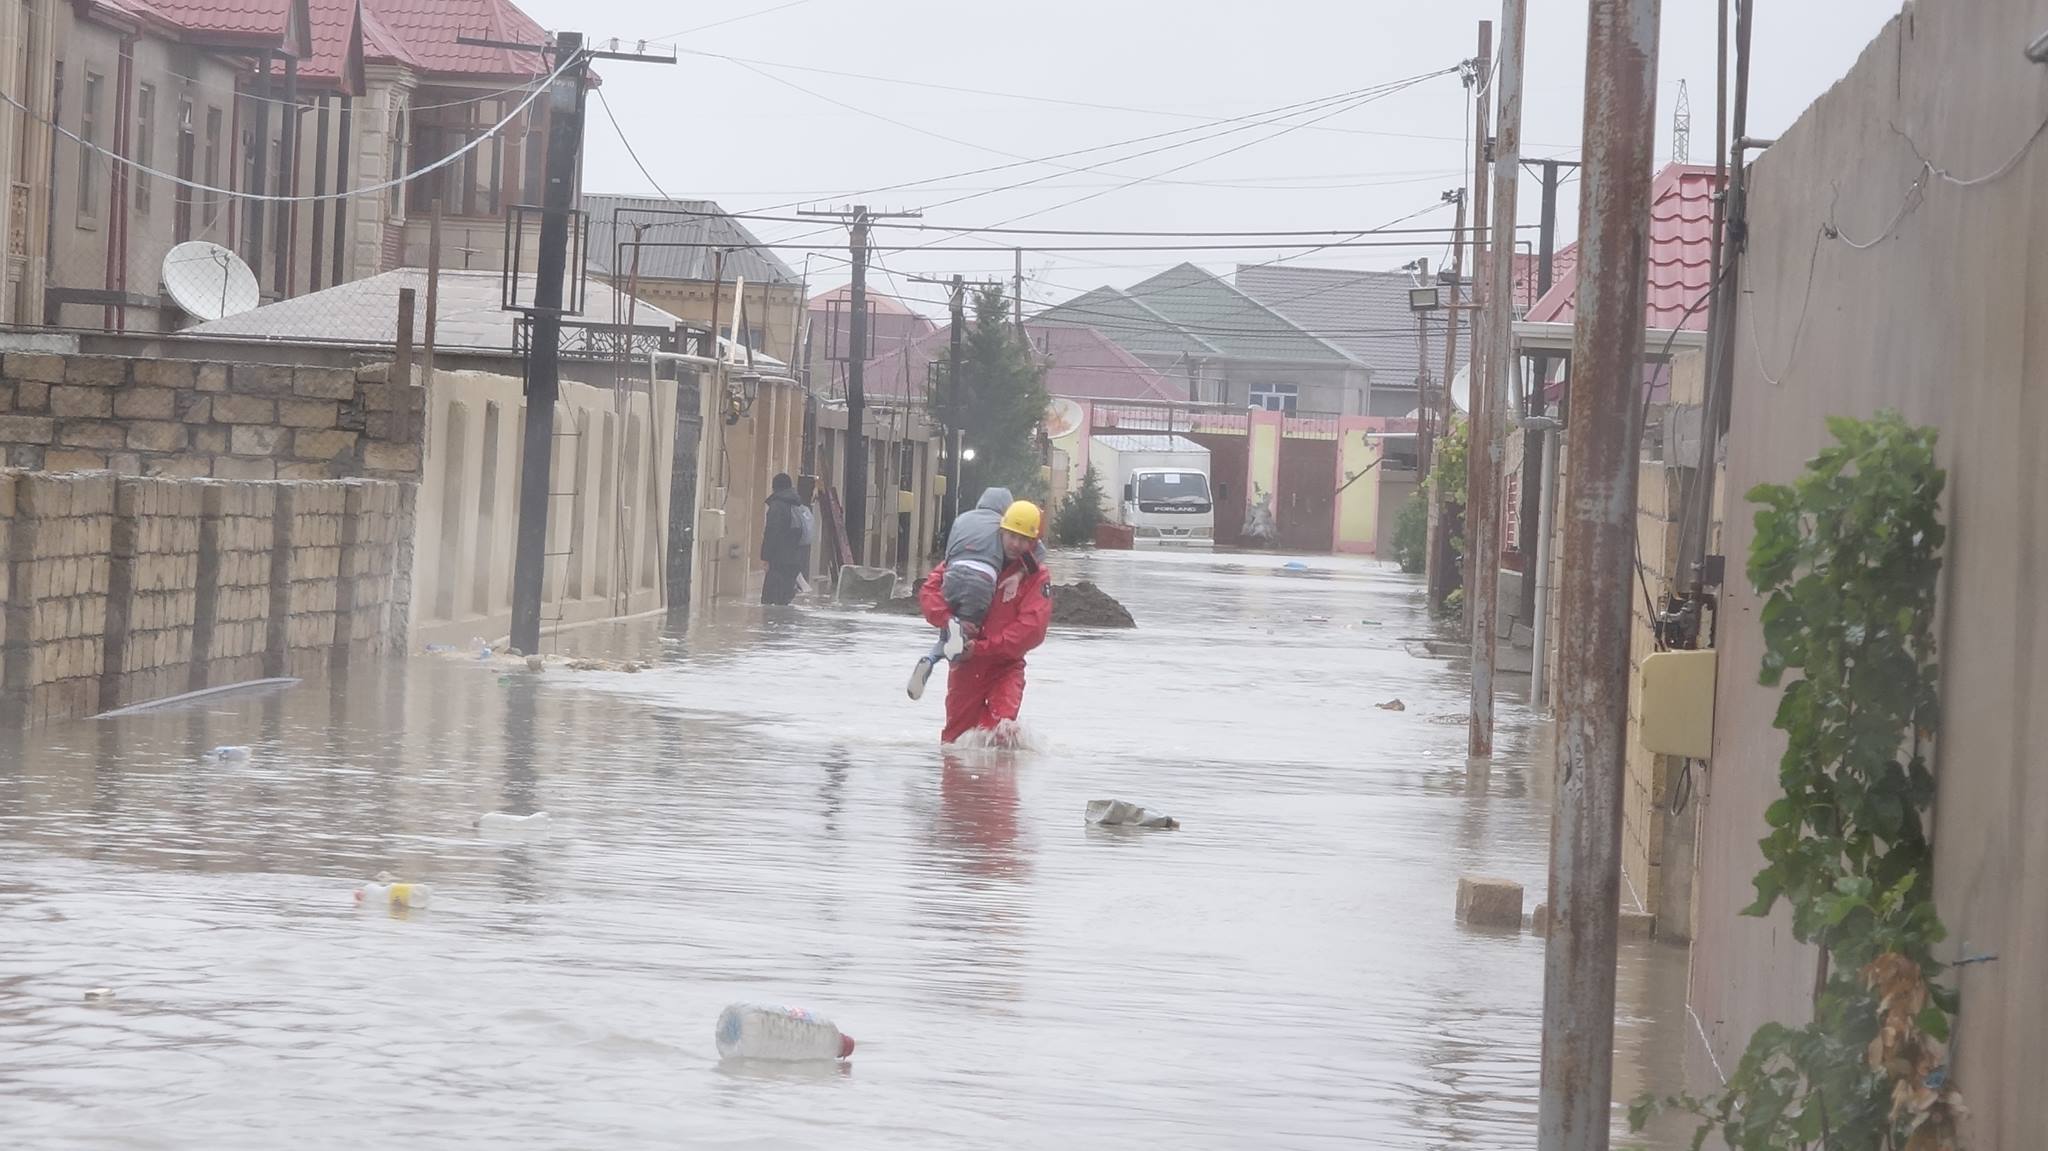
906,502
1678,703
711,524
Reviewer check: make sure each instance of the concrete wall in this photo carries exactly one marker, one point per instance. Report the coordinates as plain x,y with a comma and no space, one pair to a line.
122,589
607,521
1945,317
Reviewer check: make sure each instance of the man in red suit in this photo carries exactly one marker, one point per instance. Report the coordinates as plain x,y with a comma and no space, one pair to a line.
986,685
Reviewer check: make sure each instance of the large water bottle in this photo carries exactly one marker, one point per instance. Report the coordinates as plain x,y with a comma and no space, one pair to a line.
752,1031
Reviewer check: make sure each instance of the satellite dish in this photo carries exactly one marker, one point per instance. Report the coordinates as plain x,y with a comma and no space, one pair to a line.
1461,389
208,281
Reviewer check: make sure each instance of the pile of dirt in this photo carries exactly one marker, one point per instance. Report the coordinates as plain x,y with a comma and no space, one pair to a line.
1073,605
1085,605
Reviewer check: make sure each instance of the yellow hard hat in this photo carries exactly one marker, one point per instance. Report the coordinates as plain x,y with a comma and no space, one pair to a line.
1024,519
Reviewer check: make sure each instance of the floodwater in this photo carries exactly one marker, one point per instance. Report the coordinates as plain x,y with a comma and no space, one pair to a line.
764,816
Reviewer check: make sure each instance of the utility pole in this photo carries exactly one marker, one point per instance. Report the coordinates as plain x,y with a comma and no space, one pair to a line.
1534,510
565,100
1017,293
1475,359
1439,565
853,480
1574,1107
955,410
1422,376
1486,443
1539,464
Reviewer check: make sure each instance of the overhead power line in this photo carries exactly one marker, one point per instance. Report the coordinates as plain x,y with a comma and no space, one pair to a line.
346,194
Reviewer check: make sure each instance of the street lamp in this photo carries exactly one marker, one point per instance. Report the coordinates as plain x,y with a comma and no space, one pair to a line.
967,455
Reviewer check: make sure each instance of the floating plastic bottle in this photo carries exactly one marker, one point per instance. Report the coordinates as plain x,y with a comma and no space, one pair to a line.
786,1034
394,895
235,754
504,825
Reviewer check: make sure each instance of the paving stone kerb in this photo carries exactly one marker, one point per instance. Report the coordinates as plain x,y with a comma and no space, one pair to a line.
187,418
122,589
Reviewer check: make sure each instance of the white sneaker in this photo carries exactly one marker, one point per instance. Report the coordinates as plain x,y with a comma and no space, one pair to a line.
955,641
918,676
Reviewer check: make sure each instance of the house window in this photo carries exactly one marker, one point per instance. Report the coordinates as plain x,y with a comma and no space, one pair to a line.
213,199
181,195
397,134
467,185
1274,397
88,149
145,144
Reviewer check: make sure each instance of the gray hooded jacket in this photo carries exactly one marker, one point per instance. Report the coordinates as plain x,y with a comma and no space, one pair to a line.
978,534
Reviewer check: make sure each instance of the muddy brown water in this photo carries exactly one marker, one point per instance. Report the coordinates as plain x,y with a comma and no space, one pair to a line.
764,816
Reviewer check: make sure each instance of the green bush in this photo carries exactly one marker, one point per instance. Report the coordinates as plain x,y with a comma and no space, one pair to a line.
1074,523
1411,533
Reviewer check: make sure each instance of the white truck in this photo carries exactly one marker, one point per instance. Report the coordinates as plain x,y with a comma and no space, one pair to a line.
1157,485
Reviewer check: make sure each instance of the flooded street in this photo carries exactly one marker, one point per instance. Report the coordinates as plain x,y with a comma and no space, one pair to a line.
764,816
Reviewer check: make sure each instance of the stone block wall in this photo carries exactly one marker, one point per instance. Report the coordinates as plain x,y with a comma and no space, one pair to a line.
60,551
152,589
119,590
188,419
306,574
238,535
371,533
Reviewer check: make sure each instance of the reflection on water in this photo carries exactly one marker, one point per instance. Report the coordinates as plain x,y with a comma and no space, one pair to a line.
764,816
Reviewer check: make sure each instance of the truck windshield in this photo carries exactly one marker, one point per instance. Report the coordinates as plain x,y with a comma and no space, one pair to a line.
1173,487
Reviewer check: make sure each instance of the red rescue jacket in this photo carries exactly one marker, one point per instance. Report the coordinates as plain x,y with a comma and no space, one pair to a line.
1017,616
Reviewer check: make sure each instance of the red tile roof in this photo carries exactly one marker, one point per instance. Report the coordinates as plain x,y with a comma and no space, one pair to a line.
337,57
1080,364
423,34
1680,263
254,23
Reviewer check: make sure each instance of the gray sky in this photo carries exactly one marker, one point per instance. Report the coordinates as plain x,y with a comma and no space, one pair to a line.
757,136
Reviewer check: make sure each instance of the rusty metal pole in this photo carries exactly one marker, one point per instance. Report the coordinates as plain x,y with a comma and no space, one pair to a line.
1439,565
1487,435
1599,510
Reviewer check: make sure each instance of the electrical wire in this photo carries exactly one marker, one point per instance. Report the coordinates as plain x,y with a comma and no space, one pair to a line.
252,197
1280,111
1052,100
733,19
621,132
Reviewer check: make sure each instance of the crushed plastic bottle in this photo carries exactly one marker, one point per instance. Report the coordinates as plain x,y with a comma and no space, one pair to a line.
235,754
387,890
784,1034
505,825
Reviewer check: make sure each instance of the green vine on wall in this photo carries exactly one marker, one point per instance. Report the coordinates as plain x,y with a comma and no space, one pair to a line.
1447,469
1847,557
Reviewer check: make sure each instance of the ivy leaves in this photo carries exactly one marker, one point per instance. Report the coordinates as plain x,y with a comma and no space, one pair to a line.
1847,557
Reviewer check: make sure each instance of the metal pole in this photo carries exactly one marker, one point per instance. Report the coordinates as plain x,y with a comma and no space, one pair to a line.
853,483
1539,642
1599,509
1439,566
1490,392
1535,404
543,364
1422,430
955,410
433,287
1475,359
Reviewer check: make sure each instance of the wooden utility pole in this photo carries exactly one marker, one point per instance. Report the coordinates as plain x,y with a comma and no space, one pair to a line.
1017,293
1482,534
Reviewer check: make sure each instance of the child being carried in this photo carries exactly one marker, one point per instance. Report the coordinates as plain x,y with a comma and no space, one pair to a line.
973,562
